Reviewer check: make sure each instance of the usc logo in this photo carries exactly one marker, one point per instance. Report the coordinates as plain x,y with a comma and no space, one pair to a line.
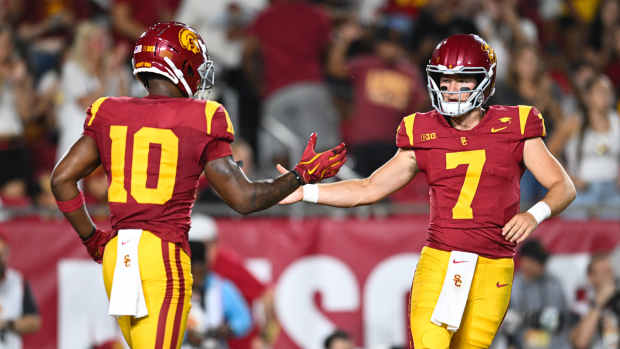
127,261
457,280
490,52
189,40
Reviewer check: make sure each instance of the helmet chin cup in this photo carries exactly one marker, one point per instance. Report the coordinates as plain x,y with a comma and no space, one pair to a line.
476,96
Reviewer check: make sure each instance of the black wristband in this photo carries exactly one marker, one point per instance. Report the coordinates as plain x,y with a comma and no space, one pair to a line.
10,325
298,177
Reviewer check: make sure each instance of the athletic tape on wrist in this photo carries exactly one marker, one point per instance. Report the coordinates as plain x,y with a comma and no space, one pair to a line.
540,211
311,193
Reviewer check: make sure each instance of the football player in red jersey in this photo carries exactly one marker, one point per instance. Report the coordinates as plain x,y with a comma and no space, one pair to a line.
473,157
153,150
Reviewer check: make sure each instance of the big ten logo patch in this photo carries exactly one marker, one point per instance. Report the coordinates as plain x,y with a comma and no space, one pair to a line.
428,136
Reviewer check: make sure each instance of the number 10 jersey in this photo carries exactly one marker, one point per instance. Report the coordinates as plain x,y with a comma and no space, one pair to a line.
153,151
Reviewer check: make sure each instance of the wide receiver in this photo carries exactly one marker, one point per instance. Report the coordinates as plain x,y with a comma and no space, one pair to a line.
473,158
153,150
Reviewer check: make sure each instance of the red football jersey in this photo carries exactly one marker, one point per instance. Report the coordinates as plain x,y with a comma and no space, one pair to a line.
473,175
153,150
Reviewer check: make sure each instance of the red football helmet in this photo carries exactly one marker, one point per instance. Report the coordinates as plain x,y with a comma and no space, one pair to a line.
176,51
462,54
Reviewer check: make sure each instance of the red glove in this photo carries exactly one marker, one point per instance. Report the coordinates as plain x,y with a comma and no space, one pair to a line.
95,244
314,167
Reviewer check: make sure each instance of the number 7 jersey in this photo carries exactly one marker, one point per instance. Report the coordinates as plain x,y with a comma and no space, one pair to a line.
153,151
473,175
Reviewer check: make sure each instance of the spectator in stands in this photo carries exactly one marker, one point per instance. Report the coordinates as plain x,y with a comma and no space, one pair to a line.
131,18
528,83
535,321
93,69
338,339
229,265
294,94
598,307
438,20
18,310
386,87
47,28
223,24
16,99
502,28
218,311
593,152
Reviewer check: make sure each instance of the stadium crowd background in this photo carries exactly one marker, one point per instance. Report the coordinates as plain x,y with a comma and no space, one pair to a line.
562,56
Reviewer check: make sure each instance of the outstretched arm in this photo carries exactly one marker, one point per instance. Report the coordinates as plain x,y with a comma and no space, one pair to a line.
390,177
79,162
243,195
246,196
548,171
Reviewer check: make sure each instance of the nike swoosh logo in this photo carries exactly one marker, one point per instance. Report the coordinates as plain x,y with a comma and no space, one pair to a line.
500,285
456,262
493,129
314,169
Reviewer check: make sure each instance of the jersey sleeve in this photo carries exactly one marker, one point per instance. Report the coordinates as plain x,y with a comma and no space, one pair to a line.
404,133
220,129
91,123
531,123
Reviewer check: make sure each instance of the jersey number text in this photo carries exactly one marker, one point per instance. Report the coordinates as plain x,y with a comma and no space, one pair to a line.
474,159
142,141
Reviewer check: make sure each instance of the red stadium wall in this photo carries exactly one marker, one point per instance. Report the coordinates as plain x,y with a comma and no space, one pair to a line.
328,273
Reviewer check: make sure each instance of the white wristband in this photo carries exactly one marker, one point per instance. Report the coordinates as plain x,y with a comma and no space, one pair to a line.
311,193
540,211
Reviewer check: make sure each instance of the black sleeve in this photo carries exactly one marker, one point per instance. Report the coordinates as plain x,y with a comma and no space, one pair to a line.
29,306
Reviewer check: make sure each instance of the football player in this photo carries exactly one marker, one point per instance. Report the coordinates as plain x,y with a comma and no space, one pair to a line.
473,157
153,150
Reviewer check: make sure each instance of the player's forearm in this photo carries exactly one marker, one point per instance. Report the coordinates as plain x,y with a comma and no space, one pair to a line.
65,189
349,193
560,195
265,193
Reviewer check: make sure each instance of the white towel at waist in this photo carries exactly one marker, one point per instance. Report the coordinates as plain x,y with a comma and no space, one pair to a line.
455,291
127,297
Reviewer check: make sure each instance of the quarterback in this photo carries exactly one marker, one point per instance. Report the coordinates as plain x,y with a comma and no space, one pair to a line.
153,150
473,157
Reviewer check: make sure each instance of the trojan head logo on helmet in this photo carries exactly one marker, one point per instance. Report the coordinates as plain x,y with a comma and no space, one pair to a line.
462,54
176,51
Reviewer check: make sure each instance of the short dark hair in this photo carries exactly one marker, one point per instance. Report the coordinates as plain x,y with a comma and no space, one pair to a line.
337,334
534,250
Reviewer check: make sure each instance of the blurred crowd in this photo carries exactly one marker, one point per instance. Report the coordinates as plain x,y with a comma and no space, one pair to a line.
350,70
346,69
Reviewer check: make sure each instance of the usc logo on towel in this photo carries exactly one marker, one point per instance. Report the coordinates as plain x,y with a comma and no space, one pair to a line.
127,261
457,280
